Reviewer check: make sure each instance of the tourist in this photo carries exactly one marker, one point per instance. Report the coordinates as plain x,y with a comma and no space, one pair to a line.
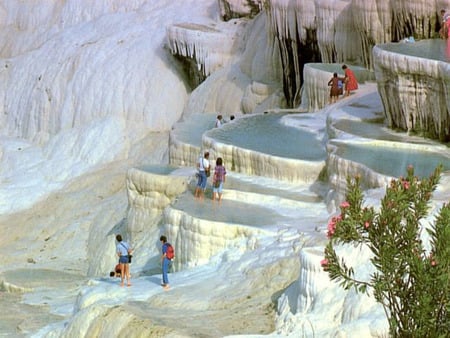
116,272
203,168
350,80
444,31
219,121
218,180
123,250
336,89
165,262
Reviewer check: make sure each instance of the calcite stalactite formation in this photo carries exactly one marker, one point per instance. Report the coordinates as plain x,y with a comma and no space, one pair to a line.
341,31
204,48
318,31
415,90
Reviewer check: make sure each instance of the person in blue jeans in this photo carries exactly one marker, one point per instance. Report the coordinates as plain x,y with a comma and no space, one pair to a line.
203,168
165,262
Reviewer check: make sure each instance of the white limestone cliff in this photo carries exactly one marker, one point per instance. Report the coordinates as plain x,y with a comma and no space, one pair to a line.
89,84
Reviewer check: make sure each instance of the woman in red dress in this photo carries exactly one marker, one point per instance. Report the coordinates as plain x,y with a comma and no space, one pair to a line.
349,80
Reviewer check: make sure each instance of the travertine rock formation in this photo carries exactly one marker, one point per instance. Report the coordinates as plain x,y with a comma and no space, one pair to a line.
415,90
204,48
230,9
342,31
319,31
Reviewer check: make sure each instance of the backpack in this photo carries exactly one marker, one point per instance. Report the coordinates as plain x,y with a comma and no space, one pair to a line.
170,253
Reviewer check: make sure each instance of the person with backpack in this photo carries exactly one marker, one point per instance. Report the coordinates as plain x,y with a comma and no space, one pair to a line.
166,258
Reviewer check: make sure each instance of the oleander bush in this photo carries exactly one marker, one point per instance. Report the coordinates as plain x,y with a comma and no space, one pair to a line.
411,278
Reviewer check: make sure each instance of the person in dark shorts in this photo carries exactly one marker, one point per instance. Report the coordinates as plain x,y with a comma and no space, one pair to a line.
123,250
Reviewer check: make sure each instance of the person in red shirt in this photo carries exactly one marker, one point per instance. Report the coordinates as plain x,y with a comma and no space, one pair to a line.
116,272
349,80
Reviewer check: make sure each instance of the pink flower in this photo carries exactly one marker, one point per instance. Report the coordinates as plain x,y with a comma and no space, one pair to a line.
433,263
345,204
324,262
405,185
366,224
331,226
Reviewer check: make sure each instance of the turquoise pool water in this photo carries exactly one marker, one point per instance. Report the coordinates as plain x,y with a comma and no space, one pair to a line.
266,134
393,161
433,49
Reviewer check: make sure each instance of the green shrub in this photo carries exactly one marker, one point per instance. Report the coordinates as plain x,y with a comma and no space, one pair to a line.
412,283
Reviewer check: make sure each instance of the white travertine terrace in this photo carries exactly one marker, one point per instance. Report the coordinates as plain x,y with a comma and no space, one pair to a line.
306,301
196,240
88,83
415,91
255,163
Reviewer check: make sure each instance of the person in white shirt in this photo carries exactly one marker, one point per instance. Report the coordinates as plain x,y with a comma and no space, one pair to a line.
203,167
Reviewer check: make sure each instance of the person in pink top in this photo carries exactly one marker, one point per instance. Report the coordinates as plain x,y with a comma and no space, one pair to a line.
349,80
218,179
447,25
444,32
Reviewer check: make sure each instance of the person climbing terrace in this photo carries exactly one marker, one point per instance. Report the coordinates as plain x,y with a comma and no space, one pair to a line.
336,87
350,81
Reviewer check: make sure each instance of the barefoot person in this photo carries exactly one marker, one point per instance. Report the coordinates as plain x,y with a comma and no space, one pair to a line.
349,80
123,250
335,85
165,261
203,168
218,179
